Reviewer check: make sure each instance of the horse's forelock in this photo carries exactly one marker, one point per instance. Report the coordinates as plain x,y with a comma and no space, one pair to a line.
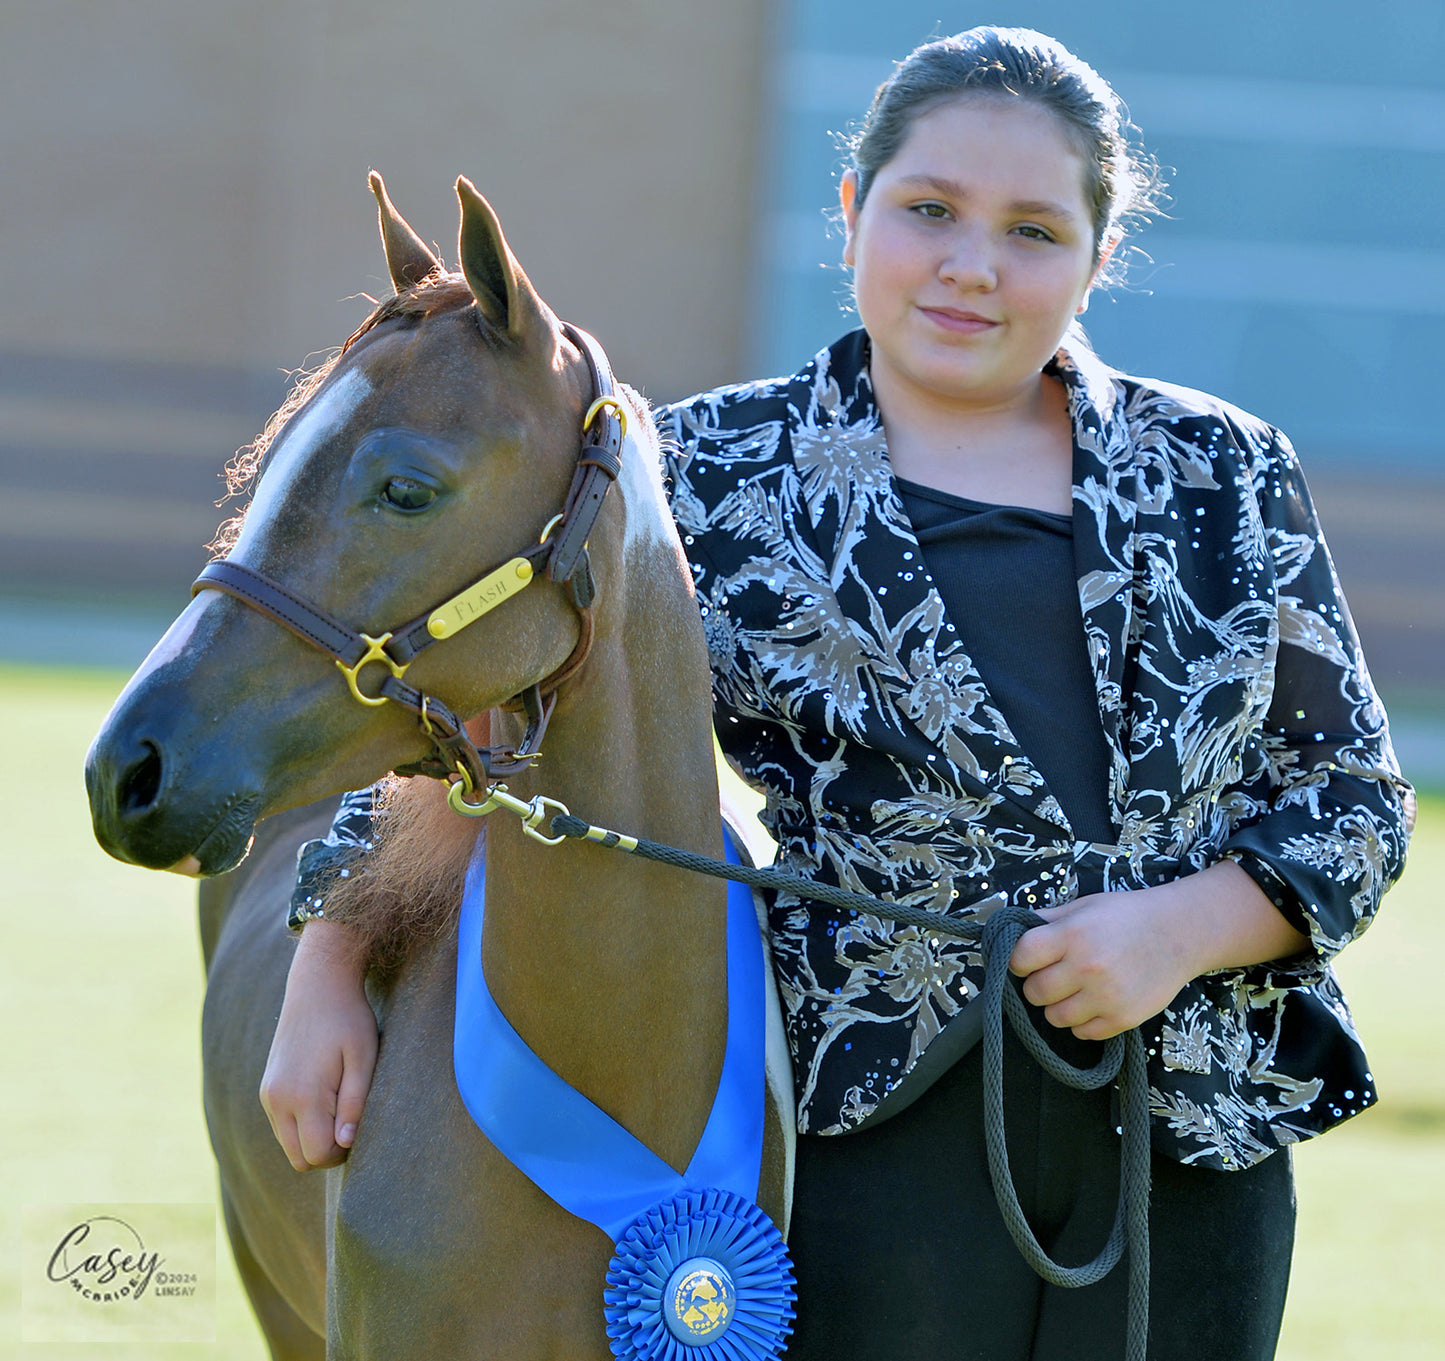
438,292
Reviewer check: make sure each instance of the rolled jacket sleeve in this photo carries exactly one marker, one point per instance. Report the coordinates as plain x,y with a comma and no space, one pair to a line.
319,863
1331,833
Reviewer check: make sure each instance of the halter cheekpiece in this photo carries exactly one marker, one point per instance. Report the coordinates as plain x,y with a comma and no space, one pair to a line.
561,551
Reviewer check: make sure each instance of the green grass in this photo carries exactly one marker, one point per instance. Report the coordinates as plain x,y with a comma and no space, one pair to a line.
101,1065
101,1013
1371,1235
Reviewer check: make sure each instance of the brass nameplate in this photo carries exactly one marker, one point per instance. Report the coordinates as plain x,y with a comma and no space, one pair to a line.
486,594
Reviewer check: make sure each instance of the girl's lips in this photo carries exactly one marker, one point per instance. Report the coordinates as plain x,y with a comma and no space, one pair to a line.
965,323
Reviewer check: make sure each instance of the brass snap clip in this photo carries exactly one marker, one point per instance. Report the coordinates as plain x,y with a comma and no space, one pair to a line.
533,813
458,801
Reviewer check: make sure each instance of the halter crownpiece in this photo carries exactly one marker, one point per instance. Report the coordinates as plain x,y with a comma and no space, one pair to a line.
561,552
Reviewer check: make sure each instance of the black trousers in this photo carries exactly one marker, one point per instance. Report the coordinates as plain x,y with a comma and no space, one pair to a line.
901,1253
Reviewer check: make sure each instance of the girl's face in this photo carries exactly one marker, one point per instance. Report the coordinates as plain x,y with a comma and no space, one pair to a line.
972,252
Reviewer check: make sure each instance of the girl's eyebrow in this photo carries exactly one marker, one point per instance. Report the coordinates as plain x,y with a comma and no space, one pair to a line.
953,189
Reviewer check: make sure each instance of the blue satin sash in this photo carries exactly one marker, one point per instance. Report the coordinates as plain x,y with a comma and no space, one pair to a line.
568,1146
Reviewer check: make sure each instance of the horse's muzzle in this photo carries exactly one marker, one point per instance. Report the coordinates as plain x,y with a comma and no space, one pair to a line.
148,808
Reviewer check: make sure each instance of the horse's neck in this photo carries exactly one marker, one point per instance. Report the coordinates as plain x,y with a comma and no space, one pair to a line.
632,738
613,968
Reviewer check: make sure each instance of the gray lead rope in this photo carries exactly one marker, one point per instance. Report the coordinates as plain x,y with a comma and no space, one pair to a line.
1123,1057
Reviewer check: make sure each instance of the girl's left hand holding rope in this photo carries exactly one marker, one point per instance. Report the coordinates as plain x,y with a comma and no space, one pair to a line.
1106,962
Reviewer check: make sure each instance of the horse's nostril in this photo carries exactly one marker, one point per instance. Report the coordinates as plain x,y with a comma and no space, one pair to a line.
141,783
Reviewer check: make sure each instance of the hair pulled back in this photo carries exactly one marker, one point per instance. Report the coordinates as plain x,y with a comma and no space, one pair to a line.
1121,184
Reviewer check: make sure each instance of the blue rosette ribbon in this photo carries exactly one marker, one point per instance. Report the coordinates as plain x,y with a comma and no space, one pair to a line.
702,1277
700,1273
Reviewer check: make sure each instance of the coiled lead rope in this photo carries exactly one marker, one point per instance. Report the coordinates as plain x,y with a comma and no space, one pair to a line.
1123,1057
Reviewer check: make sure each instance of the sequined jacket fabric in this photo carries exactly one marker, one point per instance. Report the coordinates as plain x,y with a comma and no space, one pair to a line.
1238,711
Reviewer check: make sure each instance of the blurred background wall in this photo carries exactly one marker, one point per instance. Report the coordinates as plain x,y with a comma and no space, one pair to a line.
185,218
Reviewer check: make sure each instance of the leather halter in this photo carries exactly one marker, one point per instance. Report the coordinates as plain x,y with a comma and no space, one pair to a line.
563,552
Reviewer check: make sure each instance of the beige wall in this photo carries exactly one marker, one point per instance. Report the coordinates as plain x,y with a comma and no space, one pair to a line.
185,186
187,180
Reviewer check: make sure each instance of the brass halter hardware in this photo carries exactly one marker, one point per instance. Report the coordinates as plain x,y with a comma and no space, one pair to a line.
603,404
533,812
375,652
467,606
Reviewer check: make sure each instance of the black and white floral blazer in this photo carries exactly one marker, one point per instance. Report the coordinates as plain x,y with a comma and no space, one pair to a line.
1239,715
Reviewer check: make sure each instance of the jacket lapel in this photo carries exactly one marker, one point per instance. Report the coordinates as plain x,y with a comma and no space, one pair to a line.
1105,507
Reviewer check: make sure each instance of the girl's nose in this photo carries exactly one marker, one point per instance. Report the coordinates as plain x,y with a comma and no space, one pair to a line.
969,263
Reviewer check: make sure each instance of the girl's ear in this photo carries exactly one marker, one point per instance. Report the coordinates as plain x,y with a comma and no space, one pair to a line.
848,197
1111,241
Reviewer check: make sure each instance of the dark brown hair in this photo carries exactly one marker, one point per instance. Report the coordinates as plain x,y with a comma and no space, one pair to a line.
1122,183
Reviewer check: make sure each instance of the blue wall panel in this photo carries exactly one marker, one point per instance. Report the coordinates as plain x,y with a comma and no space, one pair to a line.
1301,271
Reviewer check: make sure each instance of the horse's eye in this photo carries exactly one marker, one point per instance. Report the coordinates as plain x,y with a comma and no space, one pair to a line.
406,493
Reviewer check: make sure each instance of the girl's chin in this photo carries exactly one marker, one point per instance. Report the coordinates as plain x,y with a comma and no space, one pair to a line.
944,378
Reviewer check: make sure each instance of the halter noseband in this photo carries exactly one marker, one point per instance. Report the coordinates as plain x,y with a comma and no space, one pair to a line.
562,550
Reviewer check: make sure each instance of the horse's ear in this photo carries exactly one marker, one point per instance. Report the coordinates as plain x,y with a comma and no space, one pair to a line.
504,294
407,258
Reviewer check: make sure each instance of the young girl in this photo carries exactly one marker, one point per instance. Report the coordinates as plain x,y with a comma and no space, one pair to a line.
987,615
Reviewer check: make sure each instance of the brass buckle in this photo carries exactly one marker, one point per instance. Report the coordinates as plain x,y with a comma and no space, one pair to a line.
375,652
601,404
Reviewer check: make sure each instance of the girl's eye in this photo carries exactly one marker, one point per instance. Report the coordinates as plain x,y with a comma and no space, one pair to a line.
1033,233
933,210
406,493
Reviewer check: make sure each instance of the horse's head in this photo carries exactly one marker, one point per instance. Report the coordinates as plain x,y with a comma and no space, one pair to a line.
438,446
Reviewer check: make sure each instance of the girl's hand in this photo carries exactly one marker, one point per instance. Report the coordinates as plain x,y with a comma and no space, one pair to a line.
1106,962
324,1050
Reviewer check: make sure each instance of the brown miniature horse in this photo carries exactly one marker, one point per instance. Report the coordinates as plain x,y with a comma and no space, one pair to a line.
440,444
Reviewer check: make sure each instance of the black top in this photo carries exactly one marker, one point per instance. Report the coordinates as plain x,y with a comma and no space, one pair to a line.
1007,578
